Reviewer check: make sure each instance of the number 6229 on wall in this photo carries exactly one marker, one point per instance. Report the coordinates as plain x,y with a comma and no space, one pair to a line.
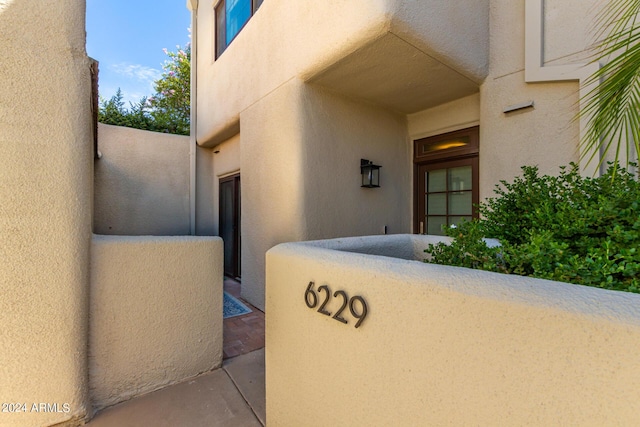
311,299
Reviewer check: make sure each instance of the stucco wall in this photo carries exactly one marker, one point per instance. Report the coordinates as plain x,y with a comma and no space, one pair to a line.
337,133
156,313
443,345
272,170
205,203
547,134
300,157
455,115
45,209
569,30
141,182
287,39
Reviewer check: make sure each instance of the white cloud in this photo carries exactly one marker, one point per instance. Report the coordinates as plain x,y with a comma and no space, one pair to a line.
137,71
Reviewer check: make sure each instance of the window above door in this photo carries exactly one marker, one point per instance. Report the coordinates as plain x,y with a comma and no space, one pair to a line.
461,143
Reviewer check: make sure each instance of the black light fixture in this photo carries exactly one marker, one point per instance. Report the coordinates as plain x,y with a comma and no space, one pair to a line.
370,174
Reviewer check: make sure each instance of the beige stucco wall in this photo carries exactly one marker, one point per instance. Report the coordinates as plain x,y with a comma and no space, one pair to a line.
300,157
336,133
547,134
285,39
205,203
272,170
569,30
156,313
45,209
443,345
455,115
141,182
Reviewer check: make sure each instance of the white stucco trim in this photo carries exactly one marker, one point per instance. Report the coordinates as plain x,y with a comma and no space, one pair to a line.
536,72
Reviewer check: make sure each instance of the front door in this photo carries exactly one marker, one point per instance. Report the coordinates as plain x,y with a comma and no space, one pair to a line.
230,223
447,180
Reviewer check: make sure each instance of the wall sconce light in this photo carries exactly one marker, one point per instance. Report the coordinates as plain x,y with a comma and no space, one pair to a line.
370,174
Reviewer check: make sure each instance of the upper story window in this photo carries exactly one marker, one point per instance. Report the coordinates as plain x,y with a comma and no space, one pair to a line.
231,16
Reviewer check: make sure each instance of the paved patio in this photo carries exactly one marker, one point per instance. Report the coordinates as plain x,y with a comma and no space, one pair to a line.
231,396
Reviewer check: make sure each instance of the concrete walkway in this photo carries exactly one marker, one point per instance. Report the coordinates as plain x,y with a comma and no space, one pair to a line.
231,396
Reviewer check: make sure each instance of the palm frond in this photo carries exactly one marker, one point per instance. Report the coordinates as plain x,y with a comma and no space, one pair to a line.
613,106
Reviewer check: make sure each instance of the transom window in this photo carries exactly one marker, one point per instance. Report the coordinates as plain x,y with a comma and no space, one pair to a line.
447,174
231,17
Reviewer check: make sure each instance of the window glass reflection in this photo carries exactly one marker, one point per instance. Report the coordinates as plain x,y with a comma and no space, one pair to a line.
238,13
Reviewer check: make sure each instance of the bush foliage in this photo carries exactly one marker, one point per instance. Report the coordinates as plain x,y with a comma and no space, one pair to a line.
113,112
566,228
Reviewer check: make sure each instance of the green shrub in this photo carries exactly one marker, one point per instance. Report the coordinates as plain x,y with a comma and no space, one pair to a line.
566,228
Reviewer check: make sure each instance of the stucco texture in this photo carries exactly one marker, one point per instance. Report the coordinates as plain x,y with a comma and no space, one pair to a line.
45,209
141,182
455,115
300,166
213,164
156,313
442,345
546,135
287,39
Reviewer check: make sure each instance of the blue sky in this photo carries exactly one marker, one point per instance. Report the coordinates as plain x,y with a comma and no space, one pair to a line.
127,38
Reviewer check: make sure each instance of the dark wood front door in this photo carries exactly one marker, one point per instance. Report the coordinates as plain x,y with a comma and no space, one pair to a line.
446,185
230,223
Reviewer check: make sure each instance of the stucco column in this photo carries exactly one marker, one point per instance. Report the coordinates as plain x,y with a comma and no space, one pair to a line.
45,211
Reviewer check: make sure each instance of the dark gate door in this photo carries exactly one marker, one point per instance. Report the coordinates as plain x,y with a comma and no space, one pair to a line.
230,223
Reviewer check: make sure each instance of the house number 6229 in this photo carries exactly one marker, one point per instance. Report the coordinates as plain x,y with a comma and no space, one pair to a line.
311,299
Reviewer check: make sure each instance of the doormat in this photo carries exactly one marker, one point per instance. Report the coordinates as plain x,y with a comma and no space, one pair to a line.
233,307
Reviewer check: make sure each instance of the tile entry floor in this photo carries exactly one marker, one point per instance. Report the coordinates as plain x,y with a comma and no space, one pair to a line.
242,334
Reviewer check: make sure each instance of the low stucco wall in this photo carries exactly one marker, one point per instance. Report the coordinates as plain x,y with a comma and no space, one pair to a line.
141,182
155,313
442,345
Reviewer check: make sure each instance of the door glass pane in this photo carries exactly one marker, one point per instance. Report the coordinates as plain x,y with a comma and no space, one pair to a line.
437,204
456,219
460,178
460,203
238,13
434,225
436,180
445,145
